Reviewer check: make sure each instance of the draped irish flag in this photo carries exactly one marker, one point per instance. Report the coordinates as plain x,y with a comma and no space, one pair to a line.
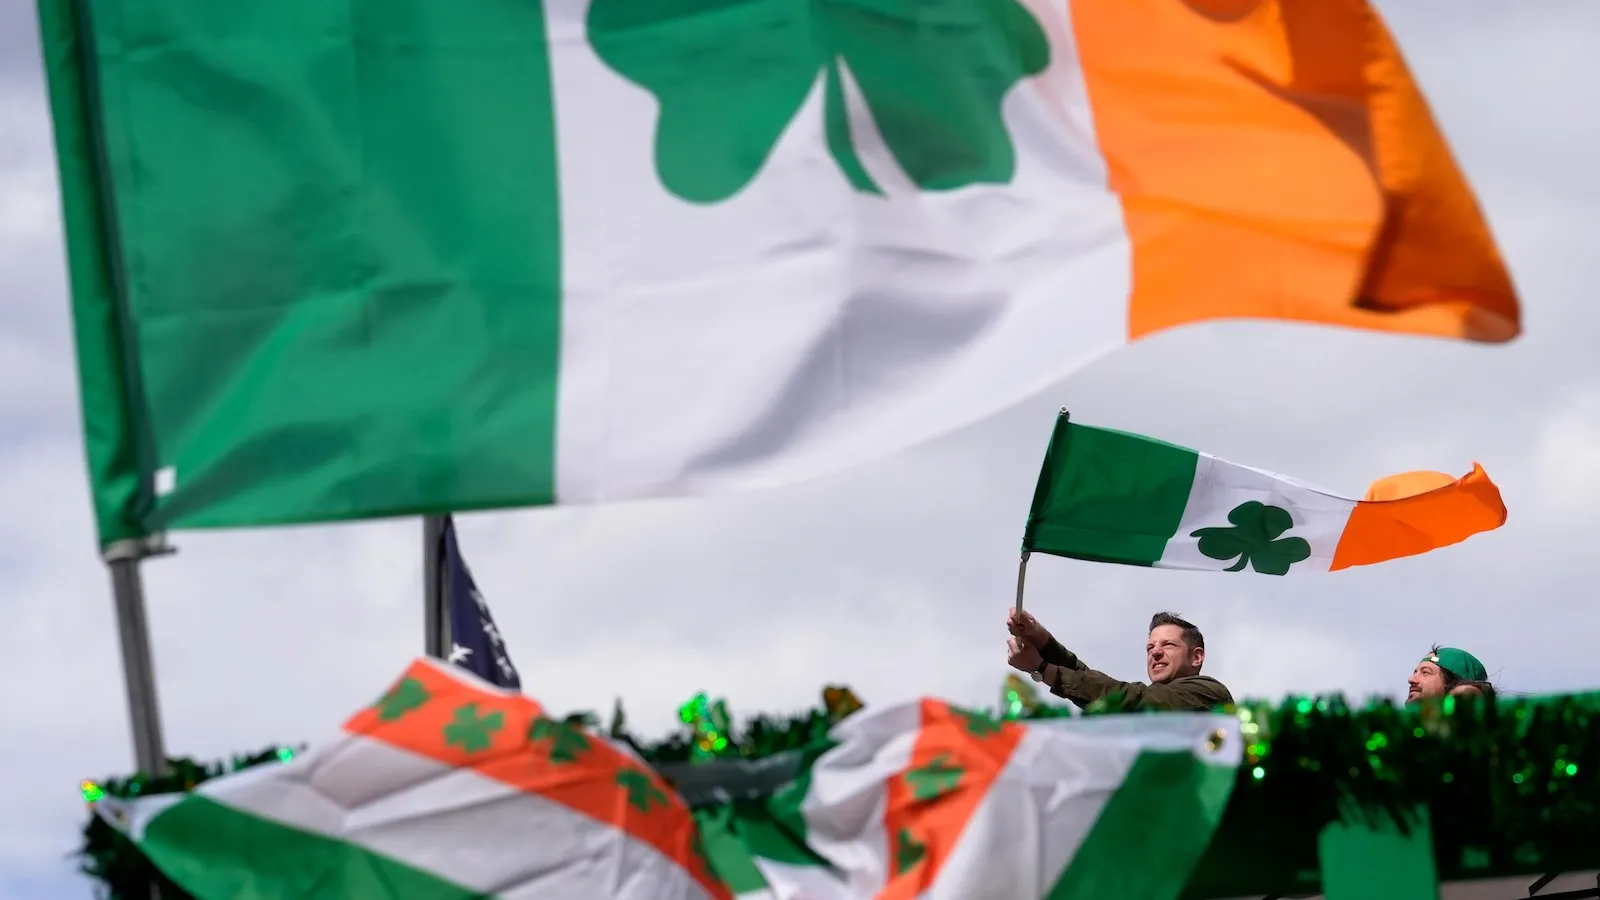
335,259
1111,496
449,788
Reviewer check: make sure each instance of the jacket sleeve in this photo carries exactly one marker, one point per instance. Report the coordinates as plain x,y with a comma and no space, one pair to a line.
1083,686
1057,655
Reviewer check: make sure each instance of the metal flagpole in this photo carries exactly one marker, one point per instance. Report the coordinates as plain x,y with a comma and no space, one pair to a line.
138,670
1022,577
434,621
1022,567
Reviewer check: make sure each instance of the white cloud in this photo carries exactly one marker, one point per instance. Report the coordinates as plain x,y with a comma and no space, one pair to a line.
27,184
1568,458
892,578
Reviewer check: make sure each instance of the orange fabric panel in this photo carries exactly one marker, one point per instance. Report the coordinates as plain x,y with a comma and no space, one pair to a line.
958,756
1275,159
1407,484
432,713
1419,522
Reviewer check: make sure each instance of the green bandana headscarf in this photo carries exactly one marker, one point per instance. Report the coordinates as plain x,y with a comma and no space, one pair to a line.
1459,663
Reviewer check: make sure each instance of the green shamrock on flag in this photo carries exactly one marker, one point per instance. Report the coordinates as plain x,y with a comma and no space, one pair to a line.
730,76
407,694
979,723
908,852
643,794
933,780
1255,539
567,740
471,730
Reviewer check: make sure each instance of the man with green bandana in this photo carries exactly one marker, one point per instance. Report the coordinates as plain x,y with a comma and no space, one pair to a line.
1448,671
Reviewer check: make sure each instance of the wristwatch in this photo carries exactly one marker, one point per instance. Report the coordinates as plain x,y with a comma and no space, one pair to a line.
1038,673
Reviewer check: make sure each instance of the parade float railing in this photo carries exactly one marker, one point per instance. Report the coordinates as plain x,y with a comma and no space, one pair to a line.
1329,796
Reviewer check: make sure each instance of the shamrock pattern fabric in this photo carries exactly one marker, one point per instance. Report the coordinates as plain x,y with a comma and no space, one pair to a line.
445,788
469,791
1110,496
436,256
928,800
934,95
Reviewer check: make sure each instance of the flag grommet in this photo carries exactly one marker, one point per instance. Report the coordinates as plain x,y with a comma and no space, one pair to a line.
1217,739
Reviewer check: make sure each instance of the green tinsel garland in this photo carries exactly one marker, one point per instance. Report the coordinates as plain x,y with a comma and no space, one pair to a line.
1511,787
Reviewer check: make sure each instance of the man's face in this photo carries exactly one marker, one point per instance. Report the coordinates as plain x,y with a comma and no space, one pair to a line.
1166,656
1427,680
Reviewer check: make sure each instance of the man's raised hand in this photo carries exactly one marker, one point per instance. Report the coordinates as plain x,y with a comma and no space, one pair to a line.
1026,629
1022,656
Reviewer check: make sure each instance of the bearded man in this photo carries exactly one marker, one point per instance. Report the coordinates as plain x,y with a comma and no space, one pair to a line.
1448,671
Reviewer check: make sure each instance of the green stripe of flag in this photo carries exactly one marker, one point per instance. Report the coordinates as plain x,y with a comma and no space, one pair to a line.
738,836
103,369
1108,495
218,853
787,805
338,230
1173,794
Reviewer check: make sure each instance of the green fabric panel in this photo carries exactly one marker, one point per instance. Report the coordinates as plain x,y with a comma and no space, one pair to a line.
726,854
734,835
218,853
1108,495
340,228
1152,831
786,806
111,439
1373,860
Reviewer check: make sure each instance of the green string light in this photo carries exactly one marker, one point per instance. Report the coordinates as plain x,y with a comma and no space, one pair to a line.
709,726
1019,699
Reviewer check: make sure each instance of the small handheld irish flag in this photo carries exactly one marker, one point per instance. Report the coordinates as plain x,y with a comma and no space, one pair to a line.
1110,496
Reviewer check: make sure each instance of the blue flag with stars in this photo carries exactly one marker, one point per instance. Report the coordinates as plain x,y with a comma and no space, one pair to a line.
475,642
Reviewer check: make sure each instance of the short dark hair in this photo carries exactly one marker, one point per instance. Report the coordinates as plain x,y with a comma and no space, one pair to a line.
1191,634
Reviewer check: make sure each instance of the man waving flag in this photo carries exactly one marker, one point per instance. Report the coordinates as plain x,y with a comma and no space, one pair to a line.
475,641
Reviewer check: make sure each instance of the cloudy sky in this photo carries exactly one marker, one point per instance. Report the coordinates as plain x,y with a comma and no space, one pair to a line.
892,578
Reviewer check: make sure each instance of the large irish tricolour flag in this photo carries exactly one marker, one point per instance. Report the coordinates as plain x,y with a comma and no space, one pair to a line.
450,789
335,259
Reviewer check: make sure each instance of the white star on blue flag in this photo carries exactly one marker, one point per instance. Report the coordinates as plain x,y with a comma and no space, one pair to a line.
476,644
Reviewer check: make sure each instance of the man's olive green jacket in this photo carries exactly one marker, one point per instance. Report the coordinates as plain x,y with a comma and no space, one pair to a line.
1068,676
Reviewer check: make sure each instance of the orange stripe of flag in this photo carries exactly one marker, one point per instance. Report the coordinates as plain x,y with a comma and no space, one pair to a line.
957,757
1389,529
422,704
431,712
1275,159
